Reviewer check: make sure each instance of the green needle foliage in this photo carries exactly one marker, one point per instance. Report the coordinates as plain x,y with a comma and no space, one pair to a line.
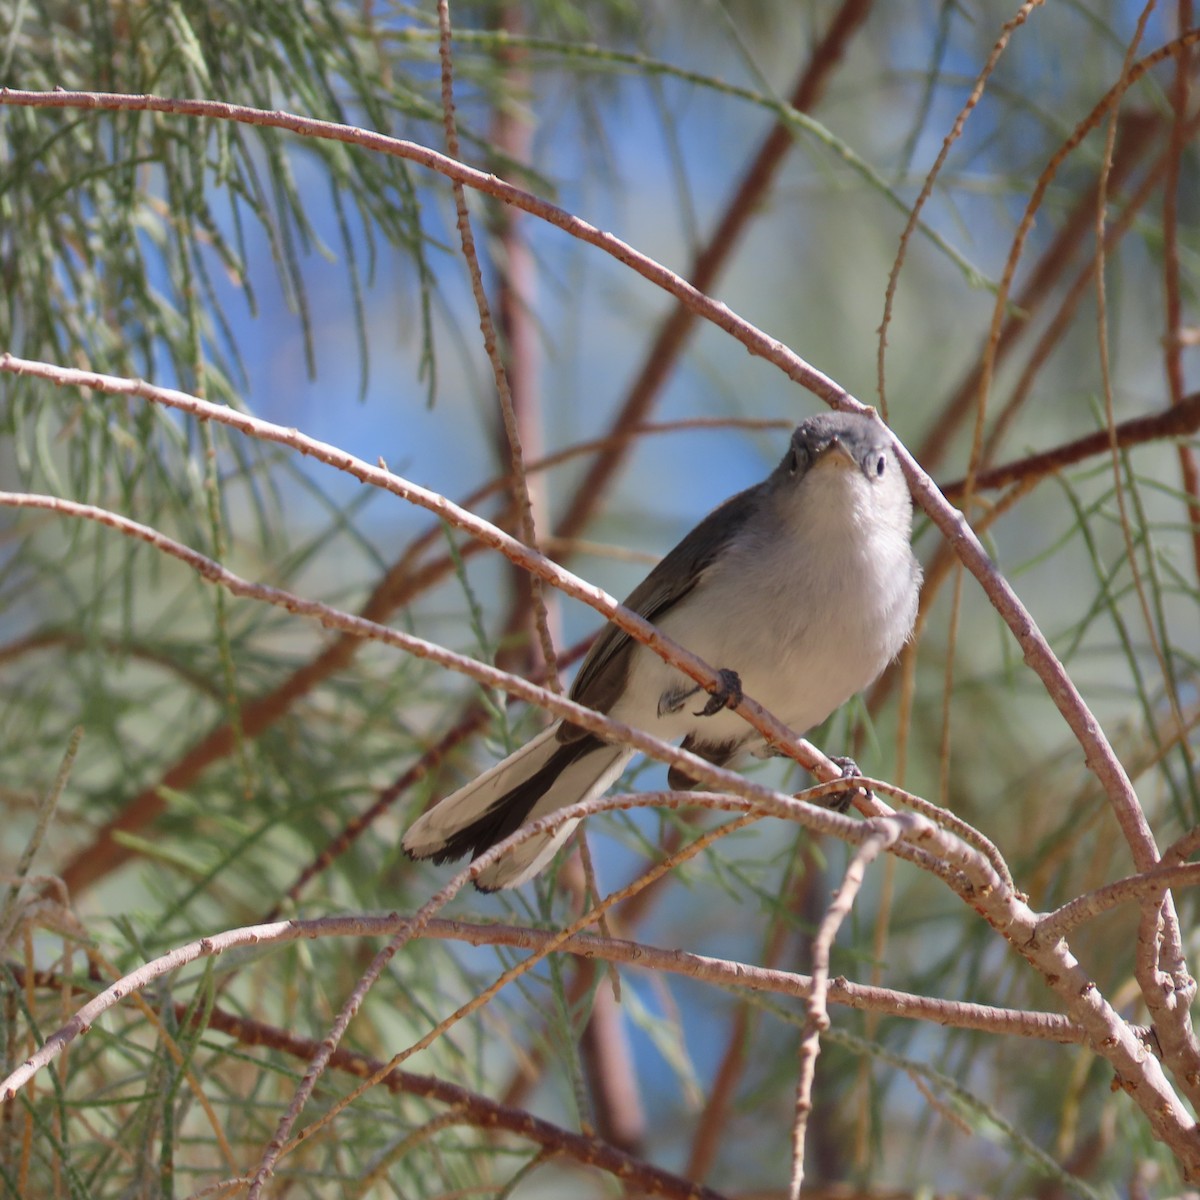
177,762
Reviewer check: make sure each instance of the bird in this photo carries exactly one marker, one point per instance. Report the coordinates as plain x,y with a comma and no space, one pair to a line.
802,587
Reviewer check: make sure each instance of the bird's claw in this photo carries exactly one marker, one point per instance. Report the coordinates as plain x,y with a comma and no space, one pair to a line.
727,694
841,801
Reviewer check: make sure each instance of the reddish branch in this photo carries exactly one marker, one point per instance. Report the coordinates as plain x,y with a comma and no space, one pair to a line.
741,208
1180,129
474,1109
1178,421
966,871
105,853
1098,753
713,1122
612,1077
635,1174
1135,141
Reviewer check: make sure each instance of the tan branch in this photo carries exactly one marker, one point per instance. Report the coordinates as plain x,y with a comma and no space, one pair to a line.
1098,753
472,1108
885,832
484,531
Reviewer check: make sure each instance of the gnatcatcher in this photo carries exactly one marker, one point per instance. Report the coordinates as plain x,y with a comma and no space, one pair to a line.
802,588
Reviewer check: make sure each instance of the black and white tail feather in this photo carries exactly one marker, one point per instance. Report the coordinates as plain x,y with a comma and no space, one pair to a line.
540,778
803,588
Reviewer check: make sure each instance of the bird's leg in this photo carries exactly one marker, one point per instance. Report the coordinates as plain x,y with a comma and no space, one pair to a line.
838,801
717,753
727,694
841,801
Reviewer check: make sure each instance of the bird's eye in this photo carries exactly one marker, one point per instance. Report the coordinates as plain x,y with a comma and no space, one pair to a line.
880,465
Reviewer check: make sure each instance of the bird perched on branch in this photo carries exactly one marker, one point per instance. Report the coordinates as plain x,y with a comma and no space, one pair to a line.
801,588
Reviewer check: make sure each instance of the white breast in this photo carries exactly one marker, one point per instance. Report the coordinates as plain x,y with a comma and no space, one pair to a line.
807,612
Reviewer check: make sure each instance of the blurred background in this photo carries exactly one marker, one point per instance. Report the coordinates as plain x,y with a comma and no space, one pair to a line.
772,150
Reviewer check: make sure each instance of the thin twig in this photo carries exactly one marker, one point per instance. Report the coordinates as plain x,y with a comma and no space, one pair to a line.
960,121
484,531
1177,421
1098,753
631,1171
1136,140
1183,848
520,485
105,851
1146,885
885,831
1172,344
10,912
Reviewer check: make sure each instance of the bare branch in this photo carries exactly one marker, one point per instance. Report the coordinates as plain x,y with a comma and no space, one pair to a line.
1098,753
1147,885
637,627
743,204
1177,421
470,1108
720,972
520,485
885,831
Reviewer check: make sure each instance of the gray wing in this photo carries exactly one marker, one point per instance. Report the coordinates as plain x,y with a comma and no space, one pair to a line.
601,678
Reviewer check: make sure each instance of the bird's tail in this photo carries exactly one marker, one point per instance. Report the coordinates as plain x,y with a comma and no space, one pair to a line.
540,778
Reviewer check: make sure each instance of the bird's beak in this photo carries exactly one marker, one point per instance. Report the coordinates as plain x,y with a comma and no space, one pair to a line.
835,450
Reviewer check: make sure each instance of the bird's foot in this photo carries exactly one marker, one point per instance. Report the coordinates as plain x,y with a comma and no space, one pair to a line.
727,693
841,801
